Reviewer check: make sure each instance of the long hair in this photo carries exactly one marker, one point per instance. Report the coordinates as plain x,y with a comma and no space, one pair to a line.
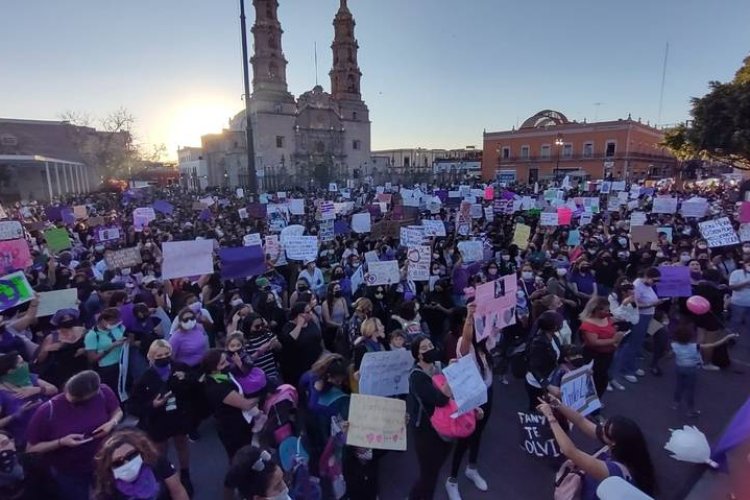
630,448
103,478
592,306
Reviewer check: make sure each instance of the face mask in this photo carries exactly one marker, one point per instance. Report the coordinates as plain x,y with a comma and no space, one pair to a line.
684,258
337,293
188,325
8,460
622,241
20,377
431,356
236,302
162,362
284,495
562,272
195,306
702,246
128,471
506,258
659,255
527,275
623,255
592,251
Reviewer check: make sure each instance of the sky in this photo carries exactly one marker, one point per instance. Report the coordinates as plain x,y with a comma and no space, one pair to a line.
436,73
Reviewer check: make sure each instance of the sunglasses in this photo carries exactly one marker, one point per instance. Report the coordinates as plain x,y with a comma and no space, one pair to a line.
125,459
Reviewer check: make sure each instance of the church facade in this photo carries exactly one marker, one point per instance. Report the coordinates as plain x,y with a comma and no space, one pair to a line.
317,138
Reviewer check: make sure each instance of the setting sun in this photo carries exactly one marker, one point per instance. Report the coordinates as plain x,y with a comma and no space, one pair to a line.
191,120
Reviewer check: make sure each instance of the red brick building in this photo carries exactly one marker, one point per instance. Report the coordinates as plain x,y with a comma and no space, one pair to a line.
549,145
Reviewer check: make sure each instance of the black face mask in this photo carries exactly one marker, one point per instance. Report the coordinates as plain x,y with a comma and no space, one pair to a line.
431,356
337,293
162,362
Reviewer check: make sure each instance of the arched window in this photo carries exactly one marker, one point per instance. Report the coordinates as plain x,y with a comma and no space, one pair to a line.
351,84
273,70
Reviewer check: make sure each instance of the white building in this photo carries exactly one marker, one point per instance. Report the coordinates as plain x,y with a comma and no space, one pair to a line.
193,168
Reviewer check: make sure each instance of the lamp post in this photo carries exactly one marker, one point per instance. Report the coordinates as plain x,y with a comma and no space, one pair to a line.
559,144
250,147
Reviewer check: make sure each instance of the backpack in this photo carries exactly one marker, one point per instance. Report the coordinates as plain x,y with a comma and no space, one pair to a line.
442,420
569,479
304,486
281,407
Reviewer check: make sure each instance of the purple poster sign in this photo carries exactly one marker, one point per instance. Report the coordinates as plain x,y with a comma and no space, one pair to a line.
675,282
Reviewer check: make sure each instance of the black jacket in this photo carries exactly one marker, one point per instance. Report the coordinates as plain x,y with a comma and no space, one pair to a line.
166,421
543,359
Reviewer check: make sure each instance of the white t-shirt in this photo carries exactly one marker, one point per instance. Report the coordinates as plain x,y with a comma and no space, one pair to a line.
644,294
741,296
487,375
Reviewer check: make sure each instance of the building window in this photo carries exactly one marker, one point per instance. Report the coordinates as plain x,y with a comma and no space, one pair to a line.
545,153
567,151
355,144
588,150
279,141
506,152
406,161
354,115
524,152
610,151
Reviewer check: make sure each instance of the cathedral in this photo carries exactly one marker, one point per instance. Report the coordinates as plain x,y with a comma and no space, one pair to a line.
319,137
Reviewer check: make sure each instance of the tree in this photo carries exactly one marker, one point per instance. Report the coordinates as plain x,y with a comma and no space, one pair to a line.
720,129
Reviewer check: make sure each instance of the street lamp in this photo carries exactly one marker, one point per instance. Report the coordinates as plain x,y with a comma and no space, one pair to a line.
559,143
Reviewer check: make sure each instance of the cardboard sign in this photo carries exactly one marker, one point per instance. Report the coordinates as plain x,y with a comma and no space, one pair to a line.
643,234
51,302
302,248
57,239
521,235
377,423
142,217
466,383
549,219
252,239
536,436
664,205
718,232
433,228
10,230
383,273
14,290
578,390
80,212
123,259
385,373
187,258
419,259
471,251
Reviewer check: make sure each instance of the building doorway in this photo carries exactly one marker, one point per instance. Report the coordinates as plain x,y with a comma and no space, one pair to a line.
533,175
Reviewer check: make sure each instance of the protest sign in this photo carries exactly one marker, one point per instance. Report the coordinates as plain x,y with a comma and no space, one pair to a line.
272,248
475,211
466,383
489,215
489,192
496,306
385,373
606,187
239,193
618,186
412,236
574,237
277,216
564,216
242,212
302,248
591,204
521,235
123,259
361,223
297,206
744,211
187,258
471,251
57,239
327,230
289,231
198,206
643,234
14,255
548,219
14,290
586,218
80,211
382,273
164,207
578,390
664,205
241,262
95,221
536,436
433,227
142,216
108,233
718,232
10,230
333,187
377,423
208,201
694,207
327,210
637,219
51,302
745,232
666,231
419,258
613,204
675,282
252,239
371,256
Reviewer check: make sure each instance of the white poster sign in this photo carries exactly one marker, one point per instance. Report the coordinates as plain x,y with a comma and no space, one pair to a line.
471,251
51,302
466,383
377,423
419,258
385,373
297,206
252,239
302,247
187,258
548,219
664,205
718,232
579,392
10,230
361,223
383,273
433,228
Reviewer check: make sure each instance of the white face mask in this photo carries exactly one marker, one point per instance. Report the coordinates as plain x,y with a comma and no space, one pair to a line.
128,471
527,275
195,306
562,272
188,325
236,302
284,495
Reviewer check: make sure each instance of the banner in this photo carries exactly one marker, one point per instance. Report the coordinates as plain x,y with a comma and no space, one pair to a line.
578,390
14,290
377,423
14,255
122,259
10,230
51,302
419,259
385,373
187,258
718,232
382,273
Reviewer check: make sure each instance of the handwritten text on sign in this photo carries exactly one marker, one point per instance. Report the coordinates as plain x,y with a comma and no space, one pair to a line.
466,383
578,390
378,423
718,232
536,436
385,373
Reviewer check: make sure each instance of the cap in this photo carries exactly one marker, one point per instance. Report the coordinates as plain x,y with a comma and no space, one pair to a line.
262,282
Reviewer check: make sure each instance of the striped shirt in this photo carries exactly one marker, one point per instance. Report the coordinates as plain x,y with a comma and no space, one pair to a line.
266,361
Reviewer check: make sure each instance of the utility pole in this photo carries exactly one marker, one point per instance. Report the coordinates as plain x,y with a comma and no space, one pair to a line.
248,124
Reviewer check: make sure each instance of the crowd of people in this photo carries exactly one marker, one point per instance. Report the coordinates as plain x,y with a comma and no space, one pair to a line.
271,358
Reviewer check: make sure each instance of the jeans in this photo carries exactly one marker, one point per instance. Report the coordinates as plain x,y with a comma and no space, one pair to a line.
472,442
740,315
686,380
627,362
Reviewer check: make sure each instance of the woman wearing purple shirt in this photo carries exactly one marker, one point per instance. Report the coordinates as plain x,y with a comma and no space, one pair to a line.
460,276
68,429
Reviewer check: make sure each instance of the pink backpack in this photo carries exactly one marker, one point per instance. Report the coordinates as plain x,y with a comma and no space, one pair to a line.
446,426
281,406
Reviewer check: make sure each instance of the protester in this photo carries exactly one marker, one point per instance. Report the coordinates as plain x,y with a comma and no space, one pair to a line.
62,353
544,356
254,474
600,339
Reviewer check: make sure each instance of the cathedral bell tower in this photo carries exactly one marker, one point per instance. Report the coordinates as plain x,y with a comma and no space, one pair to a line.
269,64
345,75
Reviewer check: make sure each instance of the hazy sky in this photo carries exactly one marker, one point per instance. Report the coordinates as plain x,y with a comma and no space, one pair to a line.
436,72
